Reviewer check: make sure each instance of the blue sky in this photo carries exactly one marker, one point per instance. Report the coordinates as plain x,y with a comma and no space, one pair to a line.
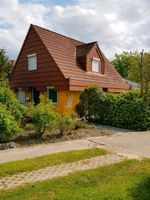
117,25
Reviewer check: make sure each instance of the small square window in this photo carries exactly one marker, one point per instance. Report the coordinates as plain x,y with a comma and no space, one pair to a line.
32,62
52,94
95,65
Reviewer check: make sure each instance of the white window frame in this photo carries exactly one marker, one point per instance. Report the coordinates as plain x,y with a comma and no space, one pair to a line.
47,92
96,70
33,67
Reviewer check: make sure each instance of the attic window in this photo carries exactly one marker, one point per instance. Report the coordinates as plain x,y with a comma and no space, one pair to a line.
95,65
32,62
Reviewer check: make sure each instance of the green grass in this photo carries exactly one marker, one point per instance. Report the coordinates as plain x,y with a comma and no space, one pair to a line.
128,180
15,167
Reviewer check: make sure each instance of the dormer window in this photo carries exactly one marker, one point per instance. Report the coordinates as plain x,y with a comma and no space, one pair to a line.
95,65
32,62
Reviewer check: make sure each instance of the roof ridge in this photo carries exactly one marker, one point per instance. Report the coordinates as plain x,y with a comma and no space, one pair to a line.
56,33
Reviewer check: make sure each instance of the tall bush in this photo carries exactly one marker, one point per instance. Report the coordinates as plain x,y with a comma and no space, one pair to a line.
12,104
88,98
8,124
103,109
44,116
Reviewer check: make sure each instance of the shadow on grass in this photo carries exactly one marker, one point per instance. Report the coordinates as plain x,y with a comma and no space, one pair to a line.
141,191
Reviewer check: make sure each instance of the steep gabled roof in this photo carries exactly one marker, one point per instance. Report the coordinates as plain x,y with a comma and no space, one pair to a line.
65,50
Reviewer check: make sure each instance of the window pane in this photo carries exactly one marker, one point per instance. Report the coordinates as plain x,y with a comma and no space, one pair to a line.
32,63
21,96
52,94
95,65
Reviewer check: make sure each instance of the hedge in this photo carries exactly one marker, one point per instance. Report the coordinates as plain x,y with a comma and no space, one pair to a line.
126,110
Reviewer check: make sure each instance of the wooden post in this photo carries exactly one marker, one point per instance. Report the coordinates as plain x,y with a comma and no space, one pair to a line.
141,72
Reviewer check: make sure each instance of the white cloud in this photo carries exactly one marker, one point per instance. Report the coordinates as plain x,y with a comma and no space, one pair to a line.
117,25
20,16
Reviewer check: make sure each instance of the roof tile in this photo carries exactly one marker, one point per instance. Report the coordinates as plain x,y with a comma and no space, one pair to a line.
65,51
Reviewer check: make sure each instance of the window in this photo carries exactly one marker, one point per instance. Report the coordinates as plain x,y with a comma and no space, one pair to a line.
95,65
32,62
52,94
21,96
69,102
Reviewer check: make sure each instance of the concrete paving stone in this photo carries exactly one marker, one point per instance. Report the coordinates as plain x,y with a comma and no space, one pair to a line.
57,171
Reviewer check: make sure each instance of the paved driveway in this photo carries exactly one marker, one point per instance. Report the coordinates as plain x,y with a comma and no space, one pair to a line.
126,142
43,149
130,144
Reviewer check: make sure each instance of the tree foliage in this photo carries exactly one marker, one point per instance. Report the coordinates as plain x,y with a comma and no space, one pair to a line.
8,124
122,63
11,114
4,66
7,97
135,66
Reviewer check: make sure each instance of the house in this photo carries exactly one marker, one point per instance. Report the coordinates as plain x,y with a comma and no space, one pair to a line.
132,85
60,67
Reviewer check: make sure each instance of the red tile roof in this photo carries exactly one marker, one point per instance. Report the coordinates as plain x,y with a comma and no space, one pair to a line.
65,50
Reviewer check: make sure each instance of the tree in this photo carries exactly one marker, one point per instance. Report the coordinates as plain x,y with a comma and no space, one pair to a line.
122,63
135,66
4,66
140,72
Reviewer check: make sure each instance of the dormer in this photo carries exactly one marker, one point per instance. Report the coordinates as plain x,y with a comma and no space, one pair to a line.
90,58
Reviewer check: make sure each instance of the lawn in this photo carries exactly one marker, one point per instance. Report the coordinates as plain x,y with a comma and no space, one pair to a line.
15,167
127,180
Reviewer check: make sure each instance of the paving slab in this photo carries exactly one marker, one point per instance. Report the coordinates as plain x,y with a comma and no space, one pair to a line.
57,171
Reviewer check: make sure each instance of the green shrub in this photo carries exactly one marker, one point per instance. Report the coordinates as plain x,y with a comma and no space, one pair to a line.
103,109
130,112
81,124
77,122
43,116
8,125
126,110
69,122
88,98
65,123
12,104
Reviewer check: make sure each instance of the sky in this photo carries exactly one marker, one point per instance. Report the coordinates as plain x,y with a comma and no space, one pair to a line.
117,25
